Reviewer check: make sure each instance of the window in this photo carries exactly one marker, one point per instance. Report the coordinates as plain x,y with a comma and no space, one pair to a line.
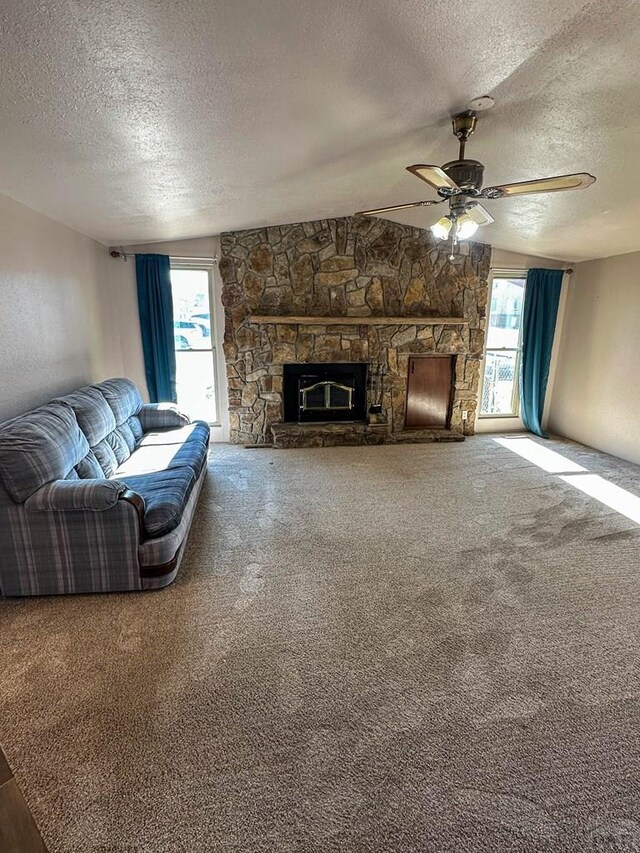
194,337
502,353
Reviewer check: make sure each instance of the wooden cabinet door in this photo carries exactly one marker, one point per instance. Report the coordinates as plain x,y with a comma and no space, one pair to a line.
429,386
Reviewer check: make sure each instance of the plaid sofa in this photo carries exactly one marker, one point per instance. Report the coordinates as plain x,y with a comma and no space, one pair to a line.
97,492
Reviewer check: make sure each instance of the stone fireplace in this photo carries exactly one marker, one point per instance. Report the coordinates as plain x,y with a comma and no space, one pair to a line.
311,306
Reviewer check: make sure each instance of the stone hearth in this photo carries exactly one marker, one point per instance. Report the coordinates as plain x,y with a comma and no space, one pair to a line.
347,290
287,435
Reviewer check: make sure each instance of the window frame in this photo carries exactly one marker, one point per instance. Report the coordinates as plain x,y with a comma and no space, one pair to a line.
515,395
206,266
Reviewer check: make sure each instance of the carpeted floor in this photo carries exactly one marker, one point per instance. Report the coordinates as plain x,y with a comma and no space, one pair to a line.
371,650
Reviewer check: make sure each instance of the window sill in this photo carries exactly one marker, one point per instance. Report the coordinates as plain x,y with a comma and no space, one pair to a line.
496,417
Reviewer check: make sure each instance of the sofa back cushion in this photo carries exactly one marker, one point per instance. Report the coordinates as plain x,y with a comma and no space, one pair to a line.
136,428
126,433
39,447
89,468
119,446
105,413
106,457
123,398
93,413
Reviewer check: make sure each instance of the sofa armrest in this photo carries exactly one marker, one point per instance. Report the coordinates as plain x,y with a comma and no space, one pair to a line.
162,416
52,546
61,495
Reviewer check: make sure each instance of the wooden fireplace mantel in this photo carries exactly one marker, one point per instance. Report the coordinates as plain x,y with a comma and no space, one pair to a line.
258,319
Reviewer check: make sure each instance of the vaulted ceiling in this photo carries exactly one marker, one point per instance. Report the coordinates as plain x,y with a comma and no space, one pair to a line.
137,121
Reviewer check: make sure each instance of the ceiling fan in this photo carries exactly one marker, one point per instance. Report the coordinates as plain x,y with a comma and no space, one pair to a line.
460,183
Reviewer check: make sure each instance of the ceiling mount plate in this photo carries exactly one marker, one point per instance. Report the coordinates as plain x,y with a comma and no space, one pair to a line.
479,105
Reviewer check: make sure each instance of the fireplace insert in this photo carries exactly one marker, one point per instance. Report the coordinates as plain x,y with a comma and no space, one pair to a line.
325,392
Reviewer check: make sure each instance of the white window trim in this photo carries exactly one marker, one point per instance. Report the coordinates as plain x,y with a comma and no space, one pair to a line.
205,264
515,413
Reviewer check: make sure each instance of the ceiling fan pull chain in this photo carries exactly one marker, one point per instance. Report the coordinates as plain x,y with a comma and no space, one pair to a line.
452,255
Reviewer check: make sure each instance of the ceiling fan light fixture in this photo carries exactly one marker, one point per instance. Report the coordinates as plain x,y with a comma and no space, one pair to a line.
465,227
442,227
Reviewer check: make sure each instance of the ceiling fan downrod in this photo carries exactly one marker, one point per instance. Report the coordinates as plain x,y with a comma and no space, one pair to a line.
463,126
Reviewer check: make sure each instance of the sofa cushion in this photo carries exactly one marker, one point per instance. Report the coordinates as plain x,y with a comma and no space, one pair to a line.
147,460
123,398
198,429
165,495
93,413
38,447
126,433
162,416
135,426
119,446
89,468
151,456
106,457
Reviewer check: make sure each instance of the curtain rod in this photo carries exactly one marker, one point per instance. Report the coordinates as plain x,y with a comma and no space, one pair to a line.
120,253
513,271
199,258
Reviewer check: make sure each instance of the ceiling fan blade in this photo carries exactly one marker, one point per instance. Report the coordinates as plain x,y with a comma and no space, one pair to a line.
380,210
434,176
480,214
579,181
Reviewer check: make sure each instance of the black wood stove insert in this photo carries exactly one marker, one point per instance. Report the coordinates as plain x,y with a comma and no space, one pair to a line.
325,392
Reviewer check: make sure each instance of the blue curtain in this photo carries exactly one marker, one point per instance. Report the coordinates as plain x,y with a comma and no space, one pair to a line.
541,300
156,324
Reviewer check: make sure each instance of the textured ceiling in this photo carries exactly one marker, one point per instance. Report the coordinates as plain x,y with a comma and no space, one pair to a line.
136,121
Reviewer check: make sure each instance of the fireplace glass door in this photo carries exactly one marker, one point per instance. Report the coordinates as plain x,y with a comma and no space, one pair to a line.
326,395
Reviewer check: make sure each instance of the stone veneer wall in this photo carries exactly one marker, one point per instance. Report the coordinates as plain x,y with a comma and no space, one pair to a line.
351,268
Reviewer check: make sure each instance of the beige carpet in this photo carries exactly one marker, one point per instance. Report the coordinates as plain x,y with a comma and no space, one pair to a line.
379,650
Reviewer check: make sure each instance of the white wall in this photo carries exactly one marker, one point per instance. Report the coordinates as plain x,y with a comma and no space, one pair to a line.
123,288
596,396
69,312
120,325
503,260
52,280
